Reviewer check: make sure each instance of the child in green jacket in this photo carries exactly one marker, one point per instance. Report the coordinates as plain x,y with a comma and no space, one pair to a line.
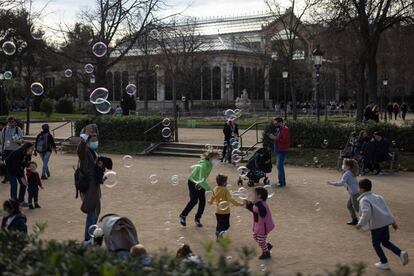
197,185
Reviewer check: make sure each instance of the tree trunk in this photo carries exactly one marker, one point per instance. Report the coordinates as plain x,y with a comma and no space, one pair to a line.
175,111
292,91
361,92
372,79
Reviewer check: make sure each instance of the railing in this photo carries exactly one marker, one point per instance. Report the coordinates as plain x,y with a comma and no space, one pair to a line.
157,125
255,127
62,125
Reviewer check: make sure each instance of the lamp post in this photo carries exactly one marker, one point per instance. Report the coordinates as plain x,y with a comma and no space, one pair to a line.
285,75
317,60
384,83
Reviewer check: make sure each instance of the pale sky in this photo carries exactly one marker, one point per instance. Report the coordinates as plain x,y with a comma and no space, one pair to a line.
67,10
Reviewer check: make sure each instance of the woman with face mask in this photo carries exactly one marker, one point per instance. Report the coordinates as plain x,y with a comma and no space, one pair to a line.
197,186
91,199
13,219
16,162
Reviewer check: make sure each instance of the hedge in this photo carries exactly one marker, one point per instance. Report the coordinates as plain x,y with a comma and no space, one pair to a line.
125,128
28,255
310,134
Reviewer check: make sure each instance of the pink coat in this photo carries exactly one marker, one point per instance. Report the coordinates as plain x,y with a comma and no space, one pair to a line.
262,225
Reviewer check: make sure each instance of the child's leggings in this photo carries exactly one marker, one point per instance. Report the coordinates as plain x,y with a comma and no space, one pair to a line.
261,240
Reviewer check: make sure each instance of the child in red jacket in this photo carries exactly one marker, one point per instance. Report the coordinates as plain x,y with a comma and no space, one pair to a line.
34,183
262,221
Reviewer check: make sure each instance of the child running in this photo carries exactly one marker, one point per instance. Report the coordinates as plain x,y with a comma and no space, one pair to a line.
376,216
222,198
350,182
34,183
262,220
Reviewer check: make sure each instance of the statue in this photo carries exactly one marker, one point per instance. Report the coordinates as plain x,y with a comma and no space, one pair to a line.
243,101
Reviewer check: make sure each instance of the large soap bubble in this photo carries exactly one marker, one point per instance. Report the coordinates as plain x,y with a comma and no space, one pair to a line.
99,49
9,48
100,93
37,89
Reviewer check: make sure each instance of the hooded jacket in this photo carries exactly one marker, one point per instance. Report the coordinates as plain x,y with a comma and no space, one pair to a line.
221,194
262,217
374,212
201,172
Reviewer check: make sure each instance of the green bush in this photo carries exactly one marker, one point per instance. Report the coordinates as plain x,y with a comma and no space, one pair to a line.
310,134
125,128
46,107
64,105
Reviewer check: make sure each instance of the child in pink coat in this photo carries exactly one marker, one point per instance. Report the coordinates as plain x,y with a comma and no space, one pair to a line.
262,221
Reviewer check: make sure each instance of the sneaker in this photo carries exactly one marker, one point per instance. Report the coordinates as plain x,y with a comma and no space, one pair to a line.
269,246
198,223
265,256
182,221
382,266
44,177
280,186
352,222
4,181
31,206
404,258
47,173
37,206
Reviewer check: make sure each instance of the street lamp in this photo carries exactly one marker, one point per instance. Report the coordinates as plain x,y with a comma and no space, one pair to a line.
317,60
384,83
285,75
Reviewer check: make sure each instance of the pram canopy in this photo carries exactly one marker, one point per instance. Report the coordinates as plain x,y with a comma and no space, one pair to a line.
119,232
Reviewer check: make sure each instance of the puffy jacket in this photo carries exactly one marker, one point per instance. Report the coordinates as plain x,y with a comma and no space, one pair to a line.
282,139
220,194
201,171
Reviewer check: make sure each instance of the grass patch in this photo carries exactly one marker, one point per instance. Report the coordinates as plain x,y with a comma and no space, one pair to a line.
39,116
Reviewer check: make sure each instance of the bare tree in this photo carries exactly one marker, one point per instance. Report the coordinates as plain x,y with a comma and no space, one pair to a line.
181,47
369,20
286,42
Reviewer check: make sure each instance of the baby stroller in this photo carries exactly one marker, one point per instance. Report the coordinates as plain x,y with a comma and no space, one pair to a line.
259,164
120,234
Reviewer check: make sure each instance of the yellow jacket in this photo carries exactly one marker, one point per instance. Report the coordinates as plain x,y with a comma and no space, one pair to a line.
221,194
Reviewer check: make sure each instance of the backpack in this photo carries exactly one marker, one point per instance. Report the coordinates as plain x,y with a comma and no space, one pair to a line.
40,144
81,182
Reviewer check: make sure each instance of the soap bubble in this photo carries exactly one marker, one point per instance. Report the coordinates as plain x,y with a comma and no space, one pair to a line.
232,140
196,175
166,122
88,68
175,180
99,94
92,229
24,44
236,158
317,207
37,89
131,89
315,160
243,171
20,49
270,191
242,190
229,258
325,143
37,33
208,147
128,161
304,110
110,179
8,75
235,145
392,142
68,73
153,178
223,205
103,106
243,196
99,49
9,48
237,113
166,132
229,114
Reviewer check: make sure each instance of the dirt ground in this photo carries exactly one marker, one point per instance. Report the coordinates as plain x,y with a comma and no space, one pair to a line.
310,236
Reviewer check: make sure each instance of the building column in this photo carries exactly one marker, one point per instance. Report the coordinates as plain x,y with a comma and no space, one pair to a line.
266,82
160,75
223,73
229,81
201,83
211,82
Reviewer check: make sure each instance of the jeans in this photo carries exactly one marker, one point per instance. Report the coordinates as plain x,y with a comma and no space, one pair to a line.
13,188
353,206
45,160
223,222
280,162
382,236
196,196
91,219
33,194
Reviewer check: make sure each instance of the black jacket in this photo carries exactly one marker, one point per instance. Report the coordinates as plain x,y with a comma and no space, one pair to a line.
17,224
381,150
227,130
50,142
16,162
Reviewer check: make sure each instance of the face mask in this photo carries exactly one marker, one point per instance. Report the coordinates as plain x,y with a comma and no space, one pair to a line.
345,167
93,145
215,162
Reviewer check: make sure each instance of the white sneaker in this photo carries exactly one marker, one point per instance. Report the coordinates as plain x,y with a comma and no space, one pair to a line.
404,258
382,266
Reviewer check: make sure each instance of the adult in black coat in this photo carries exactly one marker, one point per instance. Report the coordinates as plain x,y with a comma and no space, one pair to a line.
381,152
14,220
16,162
230,130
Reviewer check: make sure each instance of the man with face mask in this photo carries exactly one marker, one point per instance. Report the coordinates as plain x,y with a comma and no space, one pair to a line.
11,138
281,142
